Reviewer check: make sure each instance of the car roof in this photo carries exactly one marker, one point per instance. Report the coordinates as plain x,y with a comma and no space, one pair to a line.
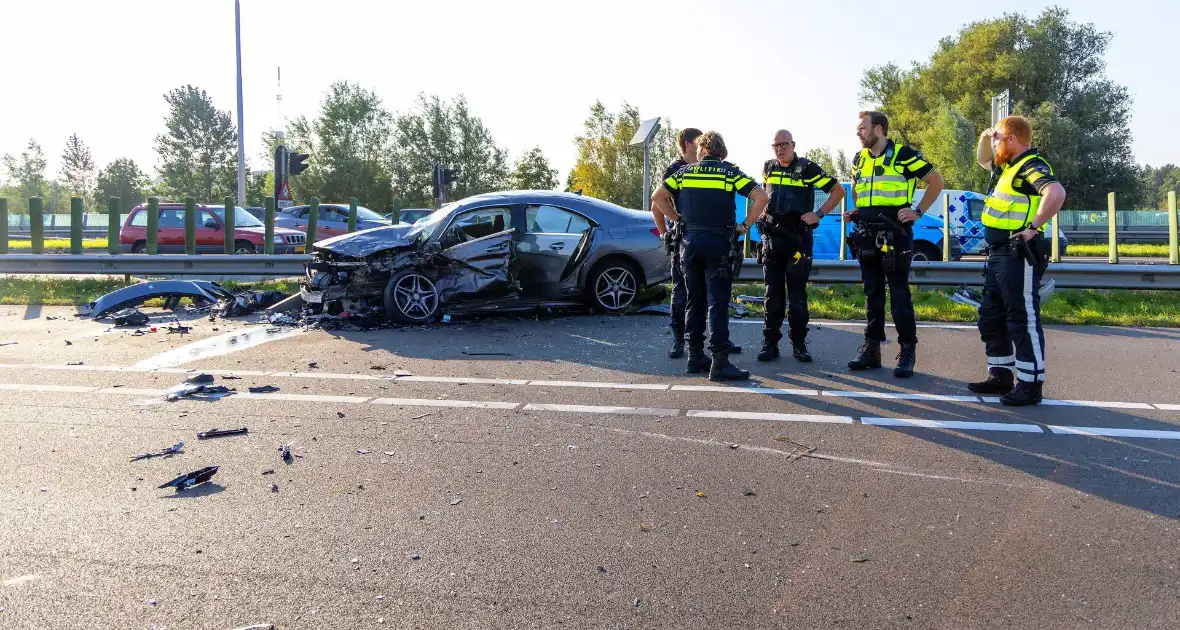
597,209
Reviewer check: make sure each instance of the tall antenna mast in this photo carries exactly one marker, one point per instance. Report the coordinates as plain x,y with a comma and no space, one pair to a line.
279,102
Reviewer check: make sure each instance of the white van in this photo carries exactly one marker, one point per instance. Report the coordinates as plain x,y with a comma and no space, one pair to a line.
966,210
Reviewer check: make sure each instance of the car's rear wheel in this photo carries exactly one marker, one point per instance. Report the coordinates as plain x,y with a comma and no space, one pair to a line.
613,285
411,298
927,252
139,247
244,247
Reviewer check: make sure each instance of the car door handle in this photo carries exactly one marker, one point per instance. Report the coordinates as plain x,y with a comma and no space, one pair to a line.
497,248
557,247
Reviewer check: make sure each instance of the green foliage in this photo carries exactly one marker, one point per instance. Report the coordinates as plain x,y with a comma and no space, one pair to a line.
532,172
78,168
1055,69
608,167
198,150
838,166
436,131
352,140
25,176
1156,183
123,179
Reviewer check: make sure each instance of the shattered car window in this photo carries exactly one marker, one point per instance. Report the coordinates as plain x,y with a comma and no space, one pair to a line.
553,220
429,223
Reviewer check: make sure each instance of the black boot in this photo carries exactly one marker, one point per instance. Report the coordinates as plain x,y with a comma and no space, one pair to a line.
999,381
677,350
723,370
698,362
870,356
907,357
799,351
734,349
1023,394
769,351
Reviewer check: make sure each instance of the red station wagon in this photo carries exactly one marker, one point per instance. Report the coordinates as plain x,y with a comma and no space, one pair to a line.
249,232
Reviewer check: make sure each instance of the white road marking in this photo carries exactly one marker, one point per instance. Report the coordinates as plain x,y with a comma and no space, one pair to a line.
230,342
770,391
1110,432
778,417
38,387
759,322
132,391
328,376
952,424
1100,404
605,343
1167,407
899,396
354,400
462,379
599,385
429,402
627,411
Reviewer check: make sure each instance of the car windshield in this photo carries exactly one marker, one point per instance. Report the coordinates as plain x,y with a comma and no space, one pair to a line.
426,226
365,214
241,217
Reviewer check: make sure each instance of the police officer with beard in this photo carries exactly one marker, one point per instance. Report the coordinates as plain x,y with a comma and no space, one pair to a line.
787,241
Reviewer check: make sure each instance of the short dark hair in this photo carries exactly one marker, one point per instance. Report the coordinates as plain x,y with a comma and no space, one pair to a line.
688,134
877,118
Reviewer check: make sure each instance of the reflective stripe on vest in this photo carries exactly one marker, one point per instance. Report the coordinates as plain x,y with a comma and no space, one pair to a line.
1006,208
890,189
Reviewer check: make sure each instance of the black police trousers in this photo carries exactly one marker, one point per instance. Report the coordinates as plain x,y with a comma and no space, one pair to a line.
679,296
876,278
705,260
1010,313
777,271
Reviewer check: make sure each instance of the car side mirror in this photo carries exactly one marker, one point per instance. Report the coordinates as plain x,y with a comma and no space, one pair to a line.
212,224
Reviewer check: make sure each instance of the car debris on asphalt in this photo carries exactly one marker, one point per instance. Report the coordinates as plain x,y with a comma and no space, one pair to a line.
175,449
176,328
245,303
199,379
263,389
191,479
285,452
201,292
216,433
129,317
190,390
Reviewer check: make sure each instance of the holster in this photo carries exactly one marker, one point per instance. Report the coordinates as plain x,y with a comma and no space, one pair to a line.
672,239
877,240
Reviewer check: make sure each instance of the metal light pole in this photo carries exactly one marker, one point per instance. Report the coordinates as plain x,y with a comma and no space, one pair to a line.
647,130
241,134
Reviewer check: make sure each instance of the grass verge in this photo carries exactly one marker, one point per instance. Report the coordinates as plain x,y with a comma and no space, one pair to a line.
58,291
63,244
1129,250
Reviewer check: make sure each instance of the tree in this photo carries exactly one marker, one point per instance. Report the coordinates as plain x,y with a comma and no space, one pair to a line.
77,167
837,167
1156,183
532,172
450,135
198,150
123,179
26,174
1055,69
352,135
608,167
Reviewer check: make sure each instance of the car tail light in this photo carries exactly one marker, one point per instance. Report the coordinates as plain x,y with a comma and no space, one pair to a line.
655,232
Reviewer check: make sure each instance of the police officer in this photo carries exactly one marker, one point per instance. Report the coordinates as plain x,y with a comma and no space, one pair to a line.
707,212
787,241
1024,195
686,140
885,176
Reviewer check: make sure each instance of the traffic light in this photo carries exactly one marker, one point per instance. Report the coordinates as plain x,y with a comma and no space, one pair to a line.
443,177
296,164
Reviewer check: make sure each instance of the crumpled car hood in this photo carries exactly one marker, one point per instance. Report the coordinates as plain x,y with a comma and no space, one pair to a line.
365,243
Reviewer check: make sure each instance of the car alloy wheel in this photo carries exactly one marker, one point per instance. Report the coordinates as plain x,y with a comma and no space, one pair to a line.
615,288
415,297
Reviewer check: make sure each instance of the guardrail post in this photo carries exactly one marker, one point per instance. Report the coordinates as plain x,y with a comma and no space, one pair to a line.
1112,231
113,225
153,226
190,226
1055,240
77,211
397,212
36,226
313,215
228,210
4,225
352,214
946,227
1173,244
268,246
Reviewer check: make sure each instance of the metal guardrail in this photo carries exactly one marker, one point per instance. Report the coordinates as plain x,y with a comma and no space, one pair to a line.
1074,276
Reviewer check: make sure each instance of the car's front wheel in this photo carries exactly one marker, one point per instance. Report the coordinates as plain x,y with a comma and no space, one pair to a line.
613,285
927,252
244,247
411,298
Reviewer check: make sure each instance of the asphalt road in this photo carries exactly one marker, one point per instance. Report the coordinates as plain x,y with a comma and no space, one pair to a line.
561,473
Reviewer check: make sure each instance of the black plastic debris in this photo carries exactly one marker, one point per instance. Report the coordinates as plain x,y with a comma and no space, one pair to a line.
199,379
191,479
7,343
247,303
129,317
285,452
752,299
175,449
655,309
69,343
176,328
230,377
216,433
487,354
264,389
313,364
76,363
739,310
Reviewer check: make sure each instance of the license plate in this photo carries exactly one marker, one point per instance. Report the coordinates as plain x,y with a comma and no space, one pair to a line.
299,249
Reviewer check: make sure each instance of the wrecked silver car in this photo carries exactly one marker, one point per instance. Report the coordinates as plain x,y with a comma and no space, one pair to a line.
495,252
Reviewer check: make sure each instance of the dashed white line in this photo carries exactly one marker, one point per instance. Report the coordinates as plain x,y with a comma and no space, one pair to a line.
1167,407
599,385
132,391
1110,432
778,417
327,376
463,380
769,391
626,411
899,396
38,387
353,400
429,402
959,425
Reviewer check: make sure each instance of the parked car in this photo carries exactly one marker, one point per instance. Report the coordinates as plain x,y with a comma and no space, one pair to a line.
411,215
258,212
966,212
210,239
331,221
927,233
493,252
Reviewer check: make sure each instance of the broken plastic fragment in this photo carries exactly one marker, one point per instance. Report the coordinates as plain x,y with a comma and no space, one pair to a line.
191,479
164,452
214,433
199,379
263,389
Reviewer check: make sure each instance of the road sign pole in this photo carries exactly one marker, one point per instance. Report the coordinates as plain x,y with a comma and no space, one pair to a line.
269,244
1173,249
1112,230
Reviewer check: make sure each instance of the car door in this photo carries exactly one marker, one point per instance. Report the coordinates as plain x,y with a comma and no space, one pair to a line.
480,267
552,236
332,222
210,240
171,235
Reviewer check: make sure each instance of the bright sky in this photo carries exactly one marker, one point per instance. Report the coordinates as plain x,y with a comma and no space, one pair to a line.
529,69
